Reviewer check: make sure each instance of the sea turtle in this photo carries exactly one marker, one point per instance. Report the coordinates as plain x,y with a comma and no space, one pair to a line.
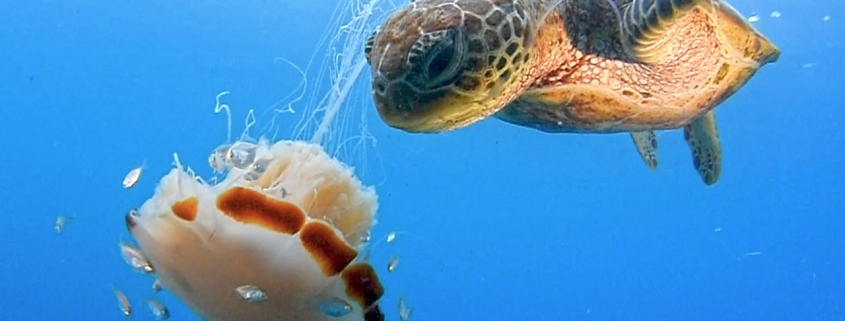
568,66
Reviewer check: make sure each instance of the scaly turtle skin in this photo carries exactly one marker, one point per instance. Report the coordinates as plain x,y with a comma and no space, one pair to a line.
568,66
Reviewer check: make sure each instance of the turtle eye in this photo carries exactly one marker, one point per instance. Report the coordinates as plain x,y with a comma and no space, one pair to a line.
437,57
444,59
368,47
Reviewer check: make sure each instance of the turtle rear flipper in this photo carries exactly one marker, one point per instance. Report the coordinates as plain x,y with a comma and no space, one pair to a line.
644,24
646,142
702,136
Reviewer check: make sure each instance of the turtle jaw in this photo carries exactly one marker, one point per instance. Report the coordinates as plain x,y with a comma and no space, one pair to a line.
429,125
401,106
768,51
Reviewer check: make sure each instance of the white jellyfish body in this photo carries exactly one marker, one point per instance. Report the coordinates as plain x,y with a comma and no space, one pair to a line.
301,251
286,219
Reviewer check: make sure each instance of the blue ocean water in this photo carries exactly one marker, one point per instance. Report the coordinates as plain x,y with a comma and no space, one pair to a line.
497,222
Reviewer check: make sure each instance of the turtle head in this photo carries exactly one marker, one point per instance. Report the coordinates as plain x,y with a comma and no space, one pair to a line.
439,65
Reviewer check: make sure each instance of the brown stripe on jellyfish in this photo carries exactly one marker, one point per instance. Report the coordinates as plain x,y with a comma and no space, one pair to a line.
186,209
362,284
252,207
329,250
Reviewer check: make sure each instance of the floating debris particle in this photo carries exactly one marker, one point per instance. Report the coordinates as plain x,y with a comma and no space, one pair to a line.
739,258
775,14
826,18
753,18
159,310
392,264
61,221
335,308
251,293
156,285
123,302
135,258
133,176
404,311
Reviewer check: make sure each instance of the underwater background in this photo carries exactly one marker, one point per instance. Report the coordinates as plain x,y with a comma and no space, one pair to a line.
495,222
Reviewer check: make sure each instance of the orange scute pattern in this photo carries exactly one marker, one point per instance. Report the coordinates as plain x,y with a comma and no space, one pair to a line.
253,207
186,209
329,250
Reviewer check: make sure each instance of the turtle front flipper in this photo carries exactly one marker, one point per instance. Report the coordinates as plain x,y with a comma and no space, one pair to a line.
703,139
645,23
646,142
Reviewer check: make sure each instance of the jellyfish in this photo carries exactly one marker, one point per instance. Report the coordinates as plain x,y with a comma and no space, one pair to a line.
291,229
278,237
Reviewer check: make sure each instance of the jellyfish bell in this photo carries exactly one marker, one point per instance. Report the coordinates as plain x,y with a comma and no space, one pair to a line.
294,232
280,233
